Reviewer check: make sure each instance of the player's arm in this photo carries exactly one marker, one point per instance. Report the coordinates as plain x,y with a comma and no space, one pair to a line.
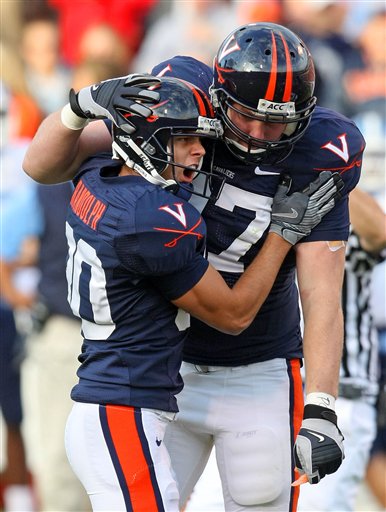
368,221
320,270
56,152
233,309
66,138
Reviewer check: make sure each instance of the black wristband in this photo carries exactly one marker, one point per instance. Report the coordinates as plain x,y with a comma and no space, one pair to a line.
318,412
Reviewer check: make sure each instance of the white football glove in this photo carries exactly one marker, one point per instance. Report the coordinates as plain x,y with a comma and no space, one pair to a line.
295,215
319,445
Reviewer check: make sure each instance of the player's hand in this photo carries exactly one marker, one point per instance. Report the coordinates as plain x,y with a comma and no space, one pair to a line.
295,215
319,445
115,98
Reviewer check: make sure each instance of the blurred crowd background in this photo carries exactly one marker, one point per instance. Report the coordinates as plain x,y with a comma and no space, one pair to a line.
49,46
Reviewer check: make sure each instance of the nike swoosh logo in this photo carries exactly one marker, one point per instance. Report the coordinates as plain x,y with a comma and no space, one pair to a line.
95,87
318,436
293,215
259,172
158,441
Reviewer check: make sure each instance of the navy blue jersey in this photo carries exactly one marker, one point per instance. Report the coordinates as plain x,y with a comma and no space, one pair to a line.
237,225
133,247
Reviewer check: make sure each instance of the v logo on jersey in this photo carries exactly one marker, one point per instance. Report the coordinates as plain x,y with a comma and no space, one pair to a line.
341,152
190,231
179,214
165,70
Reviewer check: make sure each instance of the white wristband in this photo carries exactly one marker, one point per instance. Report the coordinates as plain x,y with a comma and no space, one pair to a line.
321,399
71,120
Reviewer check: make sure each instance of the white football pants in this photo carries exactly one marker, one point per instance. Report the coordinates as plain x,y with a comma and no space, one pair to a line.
119,455
250,414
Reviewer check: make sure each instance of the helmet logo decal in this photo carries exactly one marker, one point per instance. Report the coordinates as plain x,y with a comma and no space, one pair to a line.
341,152
209,125
179,214
230,46
270,107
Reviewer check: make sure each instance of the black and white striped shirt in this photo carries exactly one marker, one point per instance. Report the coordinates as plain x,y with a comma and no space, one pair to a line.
359,368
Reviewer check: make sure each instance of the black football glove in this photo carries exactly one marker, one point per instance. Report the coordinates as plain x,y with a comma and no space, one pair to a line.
319,445
295,215
112,99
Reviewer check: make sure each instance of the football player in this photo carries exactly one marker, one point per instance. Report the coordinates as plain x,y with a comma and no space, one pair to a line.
135,270
246,398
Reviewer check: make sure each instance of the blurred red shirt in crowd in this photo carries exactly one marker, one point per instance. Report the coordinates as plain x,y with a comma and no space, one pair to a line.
127,17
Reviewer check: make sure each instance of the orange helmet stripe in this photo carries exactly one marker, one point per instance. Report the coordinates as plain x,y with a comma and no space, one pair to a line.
204,104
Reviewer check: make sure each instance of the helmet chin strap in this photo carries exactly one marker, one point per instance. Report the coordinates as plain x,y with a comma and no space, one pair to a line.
148,171
288,131
243,148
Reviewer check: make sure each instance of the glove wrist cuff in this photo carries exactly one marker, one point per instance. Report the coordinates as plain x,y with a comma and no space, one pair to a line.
71,120
312,411
321,399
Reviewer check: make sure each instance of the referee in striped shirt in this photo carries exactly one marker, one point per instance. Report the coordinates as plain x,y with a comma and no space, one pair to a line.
359,373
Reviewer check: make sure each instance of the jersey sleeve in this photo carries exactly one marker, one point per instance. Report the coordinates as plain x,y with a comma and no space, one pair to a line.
167,244
336,145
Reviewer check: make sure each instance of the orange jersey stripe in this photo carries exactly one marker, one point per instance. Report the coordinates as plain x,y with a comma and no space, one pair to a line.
288,76
124,433
298,407
269,95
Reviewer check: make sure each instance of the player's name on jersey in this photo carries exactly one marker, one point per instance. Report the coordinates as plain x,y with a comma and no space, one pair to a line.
86,206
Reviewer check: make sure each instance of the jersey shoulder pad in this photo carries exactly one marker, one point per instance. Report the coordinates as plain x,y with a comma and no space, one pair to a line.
170,231
95,163
336,144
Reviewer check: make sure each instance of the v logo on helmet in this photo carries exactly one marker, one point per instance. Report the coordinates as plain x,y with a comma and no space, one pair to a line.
230,46
179,214
341,152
